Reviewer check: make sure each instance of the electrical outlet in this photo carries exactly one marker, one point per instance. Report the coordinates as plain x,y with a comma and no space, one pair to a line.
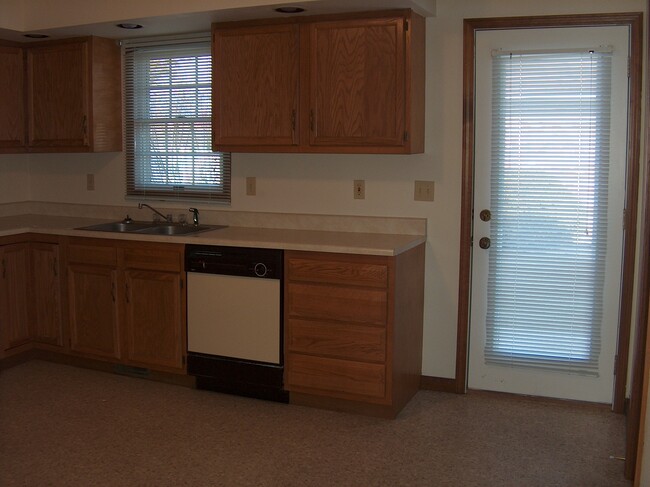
423,191
359,189
90,182
251,189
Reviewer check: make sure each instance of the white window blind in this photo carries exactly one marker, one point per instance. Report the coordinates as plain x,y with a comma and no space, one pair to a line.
168,123
550,166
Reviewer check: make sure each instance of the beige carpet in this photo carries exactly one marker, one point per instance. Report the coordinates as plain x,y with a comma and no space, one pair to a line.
65,426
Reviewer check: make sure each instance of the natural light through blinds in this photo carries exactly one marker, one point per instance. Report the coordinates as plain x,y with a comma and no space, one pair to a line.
168,120
550,166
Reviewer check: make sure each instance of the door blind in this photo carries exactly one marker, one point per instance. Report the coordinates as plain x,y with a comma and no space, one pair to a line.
550,166
168,123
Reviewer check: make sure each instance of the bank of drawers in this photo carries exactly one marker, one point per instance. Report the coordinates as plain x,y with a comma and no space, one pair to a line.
336,315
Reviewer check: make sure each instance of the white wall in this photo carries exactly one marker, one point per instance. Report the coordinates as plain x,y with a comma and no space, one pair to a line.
14,178
322,184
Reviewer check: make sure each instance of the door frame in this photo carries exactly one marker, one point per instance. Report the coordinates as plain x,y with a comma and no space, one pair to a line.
633,20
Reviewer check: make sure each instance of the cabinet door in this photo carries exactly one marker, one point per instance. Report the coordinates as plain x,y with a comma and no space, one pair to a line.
12,99
57,94
357,83
255,85
14,295
46,293
93,310
153,319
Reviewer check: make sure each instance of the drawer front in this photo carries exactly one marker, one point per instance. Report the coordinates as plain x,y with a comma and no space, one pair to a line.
338,272
92,254
348,341
334,375
153,258
337,303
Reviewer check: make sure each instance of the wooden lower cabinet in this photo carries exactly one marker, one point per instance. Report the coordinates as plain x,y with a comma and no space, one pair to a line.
126,302
353,329
93,310
153,318
46,293
14,295
30,294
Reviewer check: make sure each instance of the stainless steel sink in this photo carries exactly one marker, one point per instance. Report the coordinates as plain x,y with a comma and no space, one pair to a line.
120,227
177,229
150,228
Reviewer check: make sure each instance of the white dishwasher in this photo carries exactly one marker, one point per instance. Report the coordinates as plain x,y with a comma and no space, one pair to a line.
234,320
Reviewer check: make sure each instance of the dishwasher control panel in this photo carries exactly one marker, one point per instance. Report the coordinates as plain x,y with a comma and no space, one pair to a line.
234,261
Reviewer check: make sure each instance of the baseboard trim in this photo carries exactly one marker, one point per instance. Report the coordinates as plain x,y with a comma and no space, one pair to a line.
179,379
439,384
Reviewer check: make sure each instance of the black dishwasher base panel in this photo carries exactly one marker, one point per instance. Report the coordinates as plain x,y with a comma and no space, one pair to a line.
234,376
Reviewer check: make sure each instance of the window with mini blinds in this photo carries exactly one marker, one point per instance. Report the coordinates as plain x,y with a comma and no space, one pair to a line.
168,122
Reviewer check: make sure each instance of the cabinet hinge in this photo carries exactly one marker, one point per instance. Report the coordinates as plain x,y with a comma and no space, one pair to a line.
406,25
181,282
406,136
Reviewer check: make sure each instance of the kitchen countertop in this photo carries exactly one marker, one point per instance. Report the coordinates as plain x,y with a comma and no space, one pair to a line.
310,240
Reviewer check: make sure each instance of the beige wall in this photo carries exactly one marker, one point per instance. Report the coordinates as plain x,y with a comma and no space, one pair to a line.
322,184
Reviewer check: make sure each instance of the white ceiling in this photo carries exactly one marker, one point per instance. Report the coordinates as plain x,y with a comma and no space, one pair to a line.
154,25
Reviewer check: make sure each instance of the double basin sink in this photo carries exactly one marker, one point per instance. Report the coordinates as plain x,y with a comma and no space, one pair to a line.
151,228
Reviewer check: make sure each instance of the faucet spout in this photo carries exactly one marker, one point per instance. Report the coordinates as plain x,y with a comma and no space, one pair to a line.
164,217
195,216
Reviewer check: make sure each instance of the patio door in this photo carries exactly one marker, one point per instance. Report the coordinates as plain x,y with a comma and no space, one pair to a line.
550,155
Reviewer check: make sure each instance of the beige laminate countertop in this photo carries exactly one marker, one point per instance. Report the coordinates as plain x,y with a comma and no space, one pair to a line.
311,240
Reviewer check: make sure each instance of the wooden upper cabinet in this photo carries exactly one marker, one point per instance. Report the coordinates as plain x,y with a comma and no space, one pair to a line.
357,92
58,110
74,96
12,99
255,85
360,86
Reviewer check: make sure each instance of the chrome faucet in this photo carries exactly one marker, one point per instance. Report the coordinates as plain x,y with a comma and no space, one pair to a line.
195,216
166,218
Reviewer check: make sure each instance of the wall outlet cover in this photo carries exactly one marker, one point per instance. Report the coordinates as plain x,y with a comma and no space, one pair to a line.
359,189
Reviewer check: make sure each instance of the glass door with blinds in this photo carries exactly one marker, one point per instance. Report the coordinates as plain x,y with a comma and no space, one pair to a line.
551,114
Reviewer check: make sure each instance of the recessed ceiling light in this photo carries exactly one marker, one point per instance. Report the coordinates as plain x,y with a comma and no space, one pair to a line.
36,36
128,25
289,10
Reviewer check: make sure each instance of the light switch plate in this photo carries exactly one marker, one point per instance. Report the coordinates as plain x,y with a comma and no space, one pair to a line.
251,186
424,191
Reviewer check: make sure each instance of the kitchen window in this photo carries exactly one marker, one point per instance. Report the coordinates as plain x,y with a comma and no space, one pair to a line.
168,122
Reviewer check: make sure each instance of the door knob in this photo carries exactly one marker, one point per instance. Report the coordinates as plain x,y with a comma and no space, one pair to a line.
485,215
484,243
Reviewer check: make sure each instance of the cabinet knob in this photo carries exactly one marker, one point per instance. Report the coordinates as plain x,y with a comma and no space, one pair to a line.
484,243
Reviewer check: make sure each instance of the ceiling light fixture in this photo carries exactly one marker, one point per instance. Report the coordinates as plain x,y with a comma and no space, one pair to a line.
289,10
36,36
129,25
